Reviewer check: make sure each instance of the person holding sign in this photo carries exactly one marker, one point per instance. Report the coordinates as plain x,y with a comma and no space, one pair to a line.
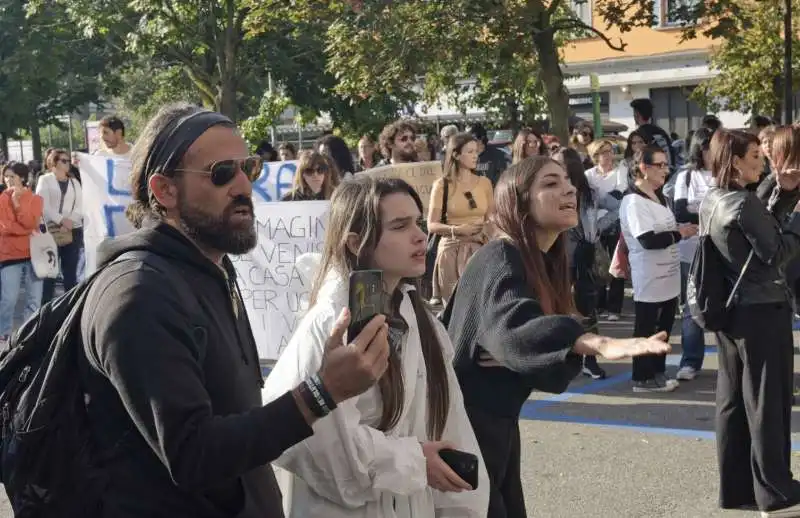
460,203
315,179
169,364
381,456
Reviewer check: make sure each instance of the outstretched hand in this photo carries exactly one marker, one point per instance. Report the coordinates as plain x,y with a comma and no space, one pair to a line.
620,348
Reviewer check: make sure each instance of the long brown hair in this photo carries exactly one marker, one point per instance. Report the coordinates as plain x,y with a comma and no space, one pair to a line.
547,274
356,208
455,145
520,145
312,160
785,148
725,144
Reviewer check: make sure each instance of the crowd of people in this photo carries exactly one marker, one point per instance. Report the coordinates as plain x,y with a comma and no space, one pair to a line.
533,247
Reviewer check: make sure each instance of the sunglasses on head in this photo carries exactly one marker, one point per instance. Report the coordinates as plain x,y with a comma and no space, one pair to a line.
223,171
471,200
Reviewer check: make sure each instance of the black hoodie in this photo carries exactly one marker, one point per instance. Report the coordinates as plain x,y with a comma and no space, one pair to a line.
173,387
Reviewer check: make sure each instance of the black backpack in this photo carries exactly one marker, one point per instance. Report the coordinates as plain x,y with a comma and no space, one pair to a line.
708,292
47,463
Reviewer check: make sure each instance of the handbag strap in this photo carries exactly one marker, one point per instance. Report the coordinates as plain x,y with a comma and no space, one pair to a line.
443,219
747,261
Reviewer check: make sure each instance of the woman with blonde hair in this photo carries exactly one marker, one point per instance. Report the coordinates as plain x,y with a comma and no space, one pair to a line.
528,143
315,179
460,204
608,179
377,455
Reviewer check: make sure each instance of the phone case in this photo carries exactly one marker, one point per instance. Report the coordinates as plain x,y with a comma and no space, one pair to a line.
464,464
365,299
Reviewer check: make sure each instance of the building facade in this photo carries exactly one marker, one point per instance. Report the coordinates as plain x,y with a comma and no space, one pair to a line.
654,64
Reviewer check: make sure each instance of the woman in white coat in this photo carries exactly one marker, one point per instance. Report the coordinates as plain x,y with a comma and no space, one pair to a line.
377,455
63,213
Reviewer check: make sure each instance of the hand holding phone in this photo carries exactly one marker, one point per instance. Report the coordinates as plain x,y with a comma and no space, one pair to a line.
365,299
440,475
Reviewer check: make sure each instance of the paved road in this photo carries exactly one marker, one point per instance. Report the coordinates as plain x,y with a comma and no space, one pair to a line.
602,451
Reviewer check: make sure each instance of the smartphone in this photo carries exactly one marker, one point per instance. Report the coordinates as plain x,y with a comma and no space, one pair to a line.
365,299
463,463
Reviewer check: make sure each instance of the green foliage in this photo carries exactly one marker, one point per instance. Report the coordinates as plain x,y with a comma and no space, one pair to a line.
750,61
47,70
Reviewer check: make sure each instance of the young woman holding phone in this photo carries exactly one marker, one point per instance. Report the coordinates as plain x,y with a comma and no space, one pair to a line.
378,455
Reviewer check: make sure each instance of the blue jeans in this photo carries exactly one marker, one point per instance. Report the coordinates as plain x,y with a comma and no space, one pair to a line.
11,280
693,339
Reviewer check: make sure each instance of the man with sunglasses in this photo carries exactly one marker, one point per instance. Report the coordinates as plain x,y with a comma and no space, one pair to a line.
171,370
397,143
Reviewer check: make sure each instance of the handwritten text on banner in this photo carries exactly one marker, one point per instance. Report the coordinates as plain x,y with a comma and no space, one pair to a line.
273,291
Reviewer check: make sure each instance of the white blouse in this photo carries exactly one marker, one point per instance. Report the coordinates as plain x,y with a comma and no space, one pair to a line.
349,468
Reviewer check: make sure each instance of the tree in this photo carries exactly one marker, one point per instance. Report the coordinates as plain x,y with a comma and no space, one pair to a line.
750,64
296,33
383,47
748,54
205,40
45,70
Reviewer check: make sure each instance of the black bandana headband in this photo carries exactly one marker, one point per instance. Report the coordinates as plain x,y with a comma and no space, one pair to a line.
173,141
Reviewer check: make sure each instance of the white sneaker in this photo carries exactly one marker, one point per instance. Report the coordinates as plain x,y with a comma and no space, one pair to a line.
786,512
612,317
686,373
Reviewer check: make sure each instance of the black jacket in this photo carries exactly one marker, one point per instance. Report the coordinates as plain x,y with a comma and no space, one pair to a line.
494,310
743,223
302,196
173,387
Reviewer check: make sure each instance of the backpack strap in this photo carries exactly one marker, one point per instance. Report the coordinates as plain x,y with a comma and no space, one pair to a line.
443,219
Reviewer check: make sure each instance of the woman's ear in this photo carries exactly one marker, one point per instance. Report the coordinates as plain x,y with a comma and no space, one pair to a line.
353,243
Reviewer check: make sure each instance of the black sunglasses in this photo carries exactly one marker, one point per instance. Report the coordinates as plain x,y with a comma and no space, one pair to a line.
471,200
322,171
223,171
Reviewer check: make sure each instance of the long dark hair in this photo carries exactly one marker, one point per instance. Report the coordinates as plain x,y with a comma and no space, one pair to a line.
546,273
338,151
356,208
572,162
701,140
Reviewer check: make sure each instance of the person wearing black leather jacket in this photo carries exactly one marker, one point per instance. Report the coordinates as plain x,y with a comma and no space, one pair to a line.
754,381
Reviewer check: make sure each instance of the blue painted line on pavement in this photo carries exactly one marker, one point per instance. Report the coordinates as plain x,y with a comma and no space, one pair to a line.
686,433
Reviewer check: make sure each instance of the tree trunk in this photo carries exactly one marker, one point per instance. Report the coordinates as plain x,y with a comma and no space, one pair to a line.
4,145
512,106
227,86
36,141
557,97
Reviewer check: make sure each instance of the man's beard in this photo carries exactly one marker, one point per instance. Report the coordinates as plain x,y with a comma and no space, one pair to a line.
407,156
219,232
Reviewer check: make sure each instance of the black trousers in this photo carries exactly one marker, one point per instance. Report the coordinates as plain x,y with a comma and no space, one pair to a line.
611,294
754,408
498,438
651,318
69,256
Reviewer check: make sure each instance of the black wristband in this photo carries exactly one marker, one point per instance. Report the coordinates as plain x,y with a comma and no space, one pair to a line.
326,396
306,392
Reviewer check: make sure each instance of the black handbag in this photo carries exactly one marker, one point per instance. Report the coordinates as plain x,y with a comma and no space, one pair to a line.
433,239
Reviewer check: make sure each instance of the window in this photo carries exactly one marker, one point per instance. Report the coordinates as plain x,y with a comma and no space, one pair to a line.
672,13
674,111
583,10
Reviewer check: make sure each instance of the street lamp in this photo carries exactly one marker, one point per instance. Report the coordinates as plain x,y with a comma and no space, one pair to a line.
788,94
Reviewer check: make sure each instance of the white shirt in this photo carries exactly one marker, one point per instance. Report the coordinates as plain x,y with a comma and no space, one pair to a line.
699,184
655,274
104,151
616,180
47,187
349,468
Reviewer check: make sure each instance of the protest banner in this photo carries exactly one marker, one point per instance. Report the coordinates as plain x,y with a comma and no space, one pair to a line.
273,291
420,175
